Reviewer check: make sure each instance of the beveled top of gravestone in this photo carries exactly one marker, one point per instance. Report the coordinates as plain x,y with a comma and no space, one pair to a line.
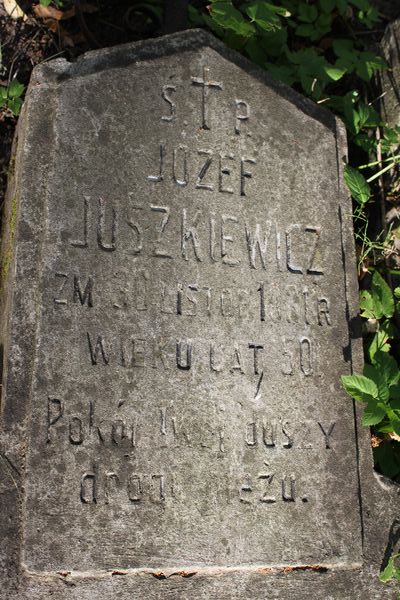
193,321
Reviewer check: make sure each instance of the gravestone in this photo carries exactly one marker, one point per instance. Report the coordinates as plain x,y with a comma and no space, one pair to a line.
181,298
390,78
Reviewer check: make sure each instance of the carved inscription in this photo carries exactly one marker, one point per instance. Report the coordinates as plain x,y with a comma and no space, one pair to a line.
239,267
203,169
212,238
205,84
135,488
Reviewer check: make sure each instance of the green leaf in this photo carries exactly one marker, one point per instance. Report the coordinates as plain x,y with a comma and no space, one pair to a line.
228,17
264,15
360,387
367,64
387,367
391,571
307,12
373,414
344,49
361,4
274,43
396,428
378,377
383,294
324,22
15,89
369,308
391,137
282,73
357,184
366,142
305,30
334,72
327,6
394,392
379,343
195,16
342,6
14,104
368,117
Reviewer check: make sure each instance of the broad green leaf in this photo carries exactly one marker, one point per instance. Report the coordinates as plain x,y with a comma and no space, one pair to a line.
195,16
378,378
345,105
390,329
3,94
334,72
254,51
234,40
305,30
15,89
394,402
369,17
273,44
387,367
361,4
342,6
368,117
228,17
282,73
327,6
360,387
281,10
14,104
324,22
384,427
367,64
379,343
391,137
369,308
397,292
307,12
366,142
383,294
373,414
391,571
357,185
396,429
264,16
344,49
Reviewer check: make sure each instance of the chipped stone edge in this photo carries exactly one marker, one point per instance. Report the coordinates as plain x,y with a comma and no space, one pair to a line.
23,230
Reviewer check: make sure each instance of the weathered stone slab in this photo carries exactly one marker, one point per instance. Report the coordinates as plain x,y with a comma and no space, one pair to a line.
390,79
180,304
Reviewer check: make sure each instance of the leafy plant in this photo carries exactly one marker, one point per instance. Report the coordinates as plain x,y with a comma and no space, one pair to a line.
392,571
10,97
378,388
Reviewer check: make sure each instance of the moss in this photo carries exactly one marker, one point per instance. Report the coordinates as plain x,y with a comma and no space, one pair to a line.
10,229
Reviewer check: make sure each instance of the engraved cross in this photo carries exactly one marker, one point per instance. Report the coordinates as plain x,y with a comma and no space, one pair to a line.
206,84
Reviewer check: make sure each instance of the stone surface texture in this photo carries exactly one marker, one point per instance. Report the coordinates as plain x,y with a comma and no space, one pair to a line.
180,299
390,79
